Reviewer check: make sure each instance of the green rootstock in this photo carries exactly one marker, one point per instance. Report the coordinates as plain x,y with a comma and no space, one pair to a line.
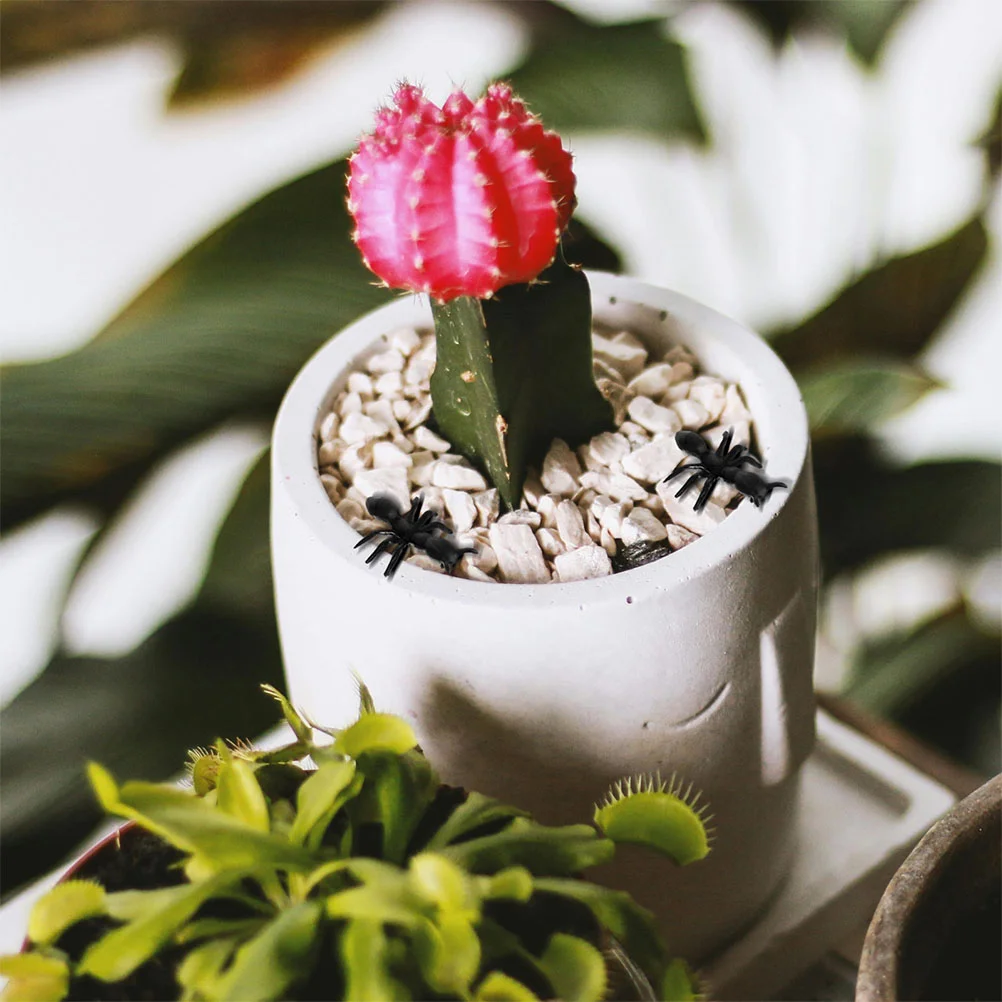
514,372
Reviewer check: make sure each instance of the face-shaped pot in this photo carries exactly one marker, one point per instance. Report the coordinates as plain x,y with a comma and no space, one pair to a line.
698,664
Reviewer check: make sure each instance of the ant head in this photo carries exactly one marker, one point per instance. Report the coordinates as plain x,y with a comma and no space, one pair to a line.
383,506
691,442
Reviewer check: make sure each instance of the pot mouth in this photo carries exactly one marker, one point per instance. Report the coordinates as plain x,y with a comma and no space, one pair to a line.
724,347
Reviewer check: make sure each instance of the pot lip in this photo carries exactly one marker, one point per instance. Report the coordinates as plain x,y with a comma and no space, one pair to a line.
786,451
877,980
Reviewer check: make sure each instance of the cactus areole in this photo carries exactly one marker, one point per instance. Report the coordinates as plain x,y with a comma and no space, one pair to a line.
467,203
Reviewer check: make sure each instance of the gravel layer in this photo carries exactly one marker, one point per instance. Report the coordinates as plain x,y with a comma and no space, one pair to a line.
581,510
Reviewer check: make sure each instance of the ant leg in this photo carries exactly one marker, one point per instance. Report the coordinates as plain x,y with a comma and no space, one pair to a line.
396,560
382,548
725,442
689,483
681,468
704,494
367,537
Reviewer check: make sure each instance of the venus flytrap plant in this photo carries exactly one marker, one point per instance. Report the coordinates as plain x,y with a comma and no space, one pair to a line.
338,867
467,203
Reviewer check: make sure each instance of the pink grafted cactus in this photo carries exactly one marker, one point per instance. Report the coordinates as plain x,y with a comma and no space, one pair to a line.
459,200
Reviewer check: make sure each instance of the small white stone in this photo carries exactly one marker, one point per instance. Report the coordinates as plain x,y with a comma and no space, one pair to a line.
735,411
401,409
681,512
402,443
608,448
485,558
404,339
391,481
354,460
330,452
349,509
433,499
550,542
592,525
741,436
676,392
473,573
711,393
679,537
654,461
333,486
358,428
547,508
390,360
420,471
608,542
641,525
487,506
389,384
381,410
452,458
612,516
532,490
329,427
418,414
360,383
627,356
386,454
520,559
652,416
682,369
653,381
424,438
419,369
571,526
693,415
349,403
654,505
583,563
426,563
635,434
354,494
679,353
602,370
363,526
561,470
460,478
521,516
462,511
619,398
618,486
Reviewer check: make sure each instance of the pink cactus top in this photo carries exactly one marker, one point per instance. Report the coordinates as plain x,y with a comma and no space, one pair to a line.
459,200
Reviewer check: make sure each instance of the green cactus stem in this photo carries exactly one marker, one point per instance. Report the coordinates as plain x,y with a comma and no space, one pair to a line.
514,372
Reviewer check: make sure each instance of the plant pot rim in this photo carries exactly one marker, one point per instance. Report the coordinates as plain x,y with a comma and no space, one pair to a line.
782,431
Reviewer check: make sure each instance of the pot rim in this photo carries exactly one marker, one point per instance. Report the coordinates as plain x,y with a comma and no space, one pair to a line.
780,422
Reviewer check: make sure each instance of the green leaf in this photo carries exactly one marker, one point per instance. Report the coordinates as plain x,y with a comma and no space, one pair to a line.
656,819
858,395
198,974
473,812
893,310
376,732
320,797
575,968
276,959
621,916
582,77
513,883
63,906
449,954
215,928
540,849
299,726
238,794
500,987
443,884
219,335
392,903
364,955
678,984
514,372
34,978
128,906
122,950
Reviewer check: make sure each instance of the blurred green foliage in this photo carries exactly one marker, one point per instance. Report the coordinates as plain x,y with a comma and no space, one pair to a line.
220,334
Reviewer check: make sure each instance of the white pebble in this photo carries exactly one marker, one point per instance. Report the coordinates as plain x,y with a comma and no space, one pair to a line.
418,414
401,409
679,537
734,411
681,512
608,542
381,410
389,384
676,392
532,490
583,563
424,438
547,508
654,461
358,428
473,573
426,563
561,470
653,381
349,509
360,383
682,368
635,434
354,460
461,478
363,526
627,357
333,487
618,486
550,542
570,525
485,557
390,360
693,415
391,481
741,436
641,525
420,471
608,448
330,452
652,416
612,516
520,559
710,392
619,397
386,454
419,369
404,339
462,511
349,403
329,427
521,516
487,505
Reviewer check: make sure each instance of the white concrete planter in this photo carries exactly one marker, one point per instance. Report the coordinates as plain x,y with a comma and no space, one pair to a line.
543,695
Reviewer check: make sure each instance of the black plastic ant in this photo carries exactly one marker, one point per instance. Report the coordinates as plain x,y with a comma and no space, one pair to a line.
409,529
725,464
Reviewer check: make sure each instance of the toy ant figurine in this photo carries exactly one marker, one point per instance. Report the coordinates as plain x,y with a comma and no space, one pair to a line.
725,464
409,529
